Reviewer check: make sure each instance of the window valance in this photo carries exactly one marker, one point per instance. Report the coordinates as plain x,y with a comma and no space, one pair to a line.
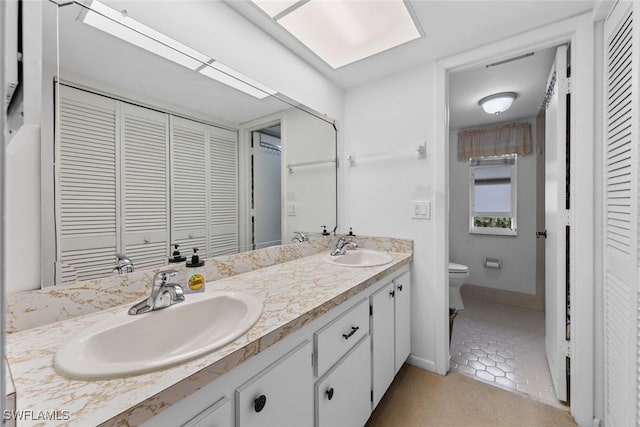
495,141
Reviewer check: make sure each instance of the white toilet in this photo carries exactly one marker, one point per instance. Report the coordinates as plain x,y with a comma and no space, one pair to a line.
458,275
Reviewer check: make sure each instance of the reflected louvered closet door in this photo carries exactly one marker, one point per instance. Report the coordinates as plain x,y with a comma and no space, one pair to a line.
621,321
188,185
223,191
86,186
145,186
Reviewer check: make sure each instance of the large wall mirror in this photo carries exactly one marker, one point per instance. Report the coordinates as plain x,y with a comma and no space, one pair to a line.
155,143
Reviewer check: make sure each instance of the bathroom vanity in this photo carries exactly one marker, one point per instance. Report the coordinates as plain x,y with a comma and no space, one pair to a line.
326,347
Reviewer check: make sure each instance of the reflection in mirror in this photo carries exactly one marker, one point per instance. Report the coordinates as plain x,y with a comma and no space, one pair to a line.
158,144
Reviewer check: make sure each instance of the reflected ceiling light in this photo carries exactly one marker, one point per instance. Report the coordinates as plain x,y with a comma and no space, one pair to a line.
118,24
220,72
498,102
274,7
342,32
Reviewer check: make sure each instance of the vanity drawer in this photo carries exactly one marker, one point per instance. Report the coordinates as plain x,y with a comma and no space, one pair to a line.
335,339
281,395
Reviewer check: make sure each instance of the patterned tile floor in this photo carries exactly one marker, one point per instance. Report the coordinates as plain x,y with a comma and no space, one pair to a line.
503,346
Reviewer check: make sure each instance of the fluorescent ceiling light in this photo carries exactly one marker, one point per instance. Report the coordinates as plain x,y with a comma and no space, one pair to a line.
342,32
119,25
236,80
274,7
497,103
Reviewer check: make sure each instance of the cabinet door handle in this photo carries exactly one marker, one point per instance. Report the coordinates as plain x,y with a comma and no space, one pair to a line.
354,329
400,288
393,294
258,404
329,393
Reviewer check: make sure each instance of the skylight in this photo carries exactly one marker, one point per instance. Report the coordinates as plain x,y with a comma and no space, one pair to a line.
342,32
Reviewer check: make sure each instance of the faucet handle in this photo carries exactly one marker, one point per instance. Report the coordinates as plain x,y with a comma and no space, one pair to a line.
162,277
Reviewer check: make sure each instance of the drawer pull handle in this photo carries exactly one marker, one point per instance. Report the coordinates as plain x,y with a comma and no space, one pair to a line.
259,403
329,393
400,288
393,294
354,329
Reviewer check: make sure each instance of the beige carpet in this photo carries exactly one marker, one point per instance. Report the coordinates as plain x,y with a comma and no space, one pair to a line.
419,398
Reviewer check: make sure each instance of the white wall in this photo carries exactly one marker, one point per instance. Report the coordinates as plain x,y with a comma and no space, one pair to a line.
22,172
310,188
517,253
396,113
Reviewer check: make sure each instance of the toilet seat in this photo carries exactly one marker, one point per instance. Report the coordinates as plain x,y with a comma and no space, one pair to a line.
457,268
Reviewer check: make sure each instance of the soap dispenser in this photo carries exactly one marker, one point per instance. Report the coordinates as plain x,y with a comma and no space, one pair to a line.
176,256
195,274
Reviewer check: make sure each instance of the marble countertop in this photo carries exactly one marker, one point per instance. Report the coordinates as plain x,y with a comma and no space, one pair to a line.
293,293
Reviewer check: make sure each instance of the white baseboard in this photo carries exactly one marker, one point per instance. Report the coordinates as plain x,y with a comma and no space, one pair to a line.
427,365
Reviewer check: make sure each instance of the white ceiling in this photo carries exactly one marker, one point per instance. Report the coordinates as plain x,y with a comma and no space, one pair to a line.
450,27
527,77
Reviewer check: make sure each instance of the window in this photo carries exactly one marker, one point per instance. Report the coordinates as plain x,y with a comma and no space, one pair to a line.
492,195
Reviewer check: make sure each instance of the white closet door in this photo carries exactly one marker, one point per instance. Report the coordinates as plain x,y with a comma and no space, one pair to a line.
621,352
223,191
145,185
188,185
87,176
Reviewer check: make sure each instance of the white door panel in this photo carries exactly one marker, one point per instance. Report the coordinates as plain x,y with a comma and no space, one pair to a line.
621,351
555,246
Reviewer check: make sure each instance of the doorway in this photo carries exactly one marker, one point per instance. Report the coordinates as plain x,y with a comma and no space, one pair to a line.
509,333
265,160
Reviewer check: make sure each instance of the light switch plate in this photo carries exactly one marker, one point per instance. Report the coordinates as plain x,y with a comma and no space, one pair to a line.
291,209
420,209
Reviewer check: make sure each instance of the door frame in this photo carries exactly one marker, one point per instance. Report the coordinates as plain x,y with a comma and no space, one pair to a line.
579,32
244,173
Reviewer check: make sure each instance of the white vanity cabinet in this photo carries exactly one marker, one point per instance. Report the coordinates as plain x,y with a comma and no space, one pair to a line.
281,395
390,332
402,317
336,338
342,396
331,372
217,415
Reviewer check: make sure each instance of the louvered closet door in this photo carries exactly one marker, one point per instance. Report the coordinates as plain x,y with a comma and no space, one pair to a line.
86,186
145,186
223,191
188,185
622,399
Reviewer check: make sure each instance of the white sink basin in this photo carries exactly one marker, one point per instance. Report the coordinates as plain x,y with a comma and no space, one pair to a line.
128,345
360,258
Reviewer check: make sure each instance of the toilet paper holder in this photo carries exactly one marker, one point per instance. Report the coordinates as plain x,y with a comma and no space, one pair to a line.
492,263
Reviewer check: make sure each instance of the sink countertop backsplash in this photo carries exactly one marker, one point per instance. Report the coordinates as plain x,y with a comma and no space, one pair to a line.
294,271
29,309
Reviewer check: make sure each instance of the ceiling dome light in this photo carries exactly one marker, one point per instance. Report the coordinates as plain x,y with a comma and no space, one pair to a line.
498,102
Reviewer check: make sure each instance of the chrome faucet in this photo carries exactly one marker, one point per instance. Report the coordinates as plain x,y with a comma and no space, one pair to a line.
123,264
163,294
344,242
300,237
